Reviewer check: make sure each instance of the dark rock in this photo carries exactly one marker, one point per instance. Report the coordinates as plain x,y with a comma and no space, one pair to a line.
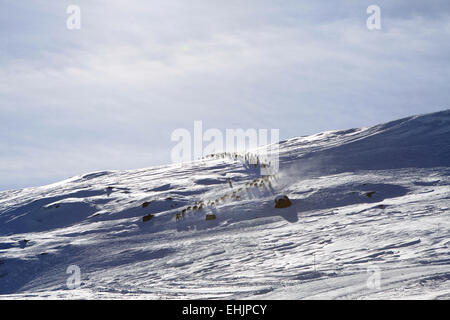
23,243
147,217
145,204
282,202
370,194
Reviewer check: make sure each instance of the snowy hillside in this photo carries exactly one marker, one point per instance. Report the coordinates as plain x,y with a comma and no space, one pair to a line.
367,204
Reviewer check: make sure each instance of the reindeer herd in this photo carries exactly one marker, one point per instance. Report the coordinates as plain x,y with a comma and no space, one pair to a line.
262,182
248,158
232,196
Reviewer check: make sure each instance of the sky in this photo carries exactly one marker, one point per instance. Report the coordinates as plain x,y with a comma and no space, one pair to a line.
109,95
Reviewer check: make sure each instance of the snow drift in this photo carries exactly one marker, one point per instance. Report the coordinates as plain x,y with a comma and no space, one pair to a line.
364,202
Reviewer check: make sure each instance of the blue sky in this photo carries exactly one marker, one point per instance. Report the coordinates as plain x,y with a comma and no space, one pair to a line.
108,96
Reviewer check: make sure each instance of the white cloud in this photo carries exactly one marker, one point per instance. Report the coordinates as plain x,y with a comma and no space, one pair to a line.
133,74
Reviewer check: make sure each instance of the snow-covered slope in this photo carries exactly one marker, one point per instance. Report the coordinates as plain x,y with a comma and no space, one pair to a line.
368,204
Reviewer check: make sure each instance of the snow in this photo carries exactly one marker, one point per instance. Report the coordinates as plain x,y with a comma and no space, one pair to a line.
365,202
